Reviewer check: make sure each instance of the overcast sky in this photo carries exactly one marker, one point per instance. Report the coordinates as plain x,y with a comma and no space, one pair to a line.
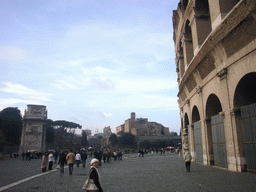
92,62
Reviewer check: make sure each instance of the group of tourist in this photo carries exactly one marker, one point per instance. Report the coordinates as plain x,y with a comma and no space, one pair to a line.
77,158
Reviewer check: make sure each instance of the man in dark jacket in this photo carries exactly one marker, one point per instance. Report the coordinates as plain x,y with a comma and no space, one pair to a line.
84,158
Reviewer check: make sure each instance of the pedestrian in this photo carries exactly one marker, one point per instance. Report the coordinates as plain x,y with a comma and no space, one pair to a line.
62,161
56,154
50,159
108,156
29,155
71,160
23,155
187,159
100,154
104,157
115,155
96,154
94,173
78,159
44,162
84,158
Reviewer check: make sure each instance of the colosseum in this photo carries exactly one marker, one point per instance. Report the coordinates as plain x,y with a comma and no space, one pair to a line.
216,67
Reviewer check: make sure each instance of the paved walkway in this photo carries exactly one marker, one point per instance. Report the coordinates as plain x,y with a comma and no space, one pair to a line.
151,173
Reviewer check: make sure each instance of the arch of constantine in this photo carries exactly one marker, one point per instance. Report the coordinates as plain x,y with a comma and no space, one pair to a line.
34,129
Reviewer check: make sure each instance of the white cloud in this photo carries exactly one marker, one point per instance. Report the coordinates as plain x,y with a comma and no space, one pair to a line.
107,114
72,82
103,84
96,76
103,71
7,102
21,90
144,85
12,53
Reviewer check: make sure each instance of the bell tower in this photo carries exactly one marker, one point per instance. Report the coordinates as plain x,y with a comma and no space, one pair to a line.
34,128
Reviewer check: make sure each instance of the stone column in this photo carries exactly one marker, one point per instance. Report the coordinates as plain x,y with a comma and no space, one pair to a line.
238,160
208,156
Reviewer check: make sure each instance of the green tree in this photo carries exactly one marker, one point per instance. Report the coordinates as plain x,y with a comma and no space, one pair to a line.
174,134
84,138
144,144
120,133
11,125
50,132
65,130
113,139
127,140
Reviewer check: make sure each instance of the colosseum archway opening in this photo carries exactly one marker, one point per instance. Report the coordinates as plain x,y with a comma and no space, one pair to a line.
215,132
188,50
245,100
196,129
185,139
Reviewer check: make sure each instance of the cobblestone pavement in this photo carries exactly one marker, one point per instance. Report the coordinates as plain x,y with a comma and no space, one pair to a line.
151,173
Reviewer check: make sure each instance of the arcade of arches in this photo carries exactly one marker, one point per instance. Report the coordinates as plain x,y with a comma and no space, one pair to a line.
215,45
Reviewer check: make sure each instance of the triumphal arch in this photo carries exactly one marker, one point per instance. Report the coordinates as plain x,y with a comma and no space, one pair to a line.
34,129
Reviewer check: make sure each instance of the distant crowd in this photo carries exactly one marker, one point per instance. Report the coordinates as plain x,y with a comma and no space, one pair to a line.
76,158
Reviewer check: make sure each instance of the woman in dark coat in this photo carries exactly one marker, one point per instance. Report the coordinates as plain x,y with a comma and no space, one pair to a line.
94,174
62,161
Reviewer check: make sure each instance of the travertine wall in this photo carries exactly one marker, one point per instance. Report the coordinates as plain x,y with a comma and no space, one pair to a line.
215,45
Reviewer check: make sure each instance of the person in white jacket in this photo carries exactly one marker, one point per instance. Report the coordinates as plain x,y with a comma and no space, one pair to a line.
78,159
50,160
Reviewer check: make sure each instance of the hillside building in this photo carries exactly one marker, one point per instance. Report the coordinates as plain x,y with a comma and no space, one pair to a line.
142,127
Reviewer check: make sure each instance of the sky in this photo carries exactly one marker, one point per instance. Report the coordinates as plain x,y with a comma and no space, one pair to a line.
92,62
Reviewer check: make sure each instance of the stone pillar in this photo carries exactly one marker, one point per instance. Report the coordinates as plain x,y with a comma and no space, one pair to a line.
192,143
188,51
238,160
208,156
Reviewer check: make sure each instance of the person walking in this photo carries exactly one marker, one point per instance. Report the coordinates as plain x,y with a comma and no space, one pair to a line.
50,158
84,158
104,157
187,159
56,154
94,174
23,155
44,162
71,160
78,159
62,161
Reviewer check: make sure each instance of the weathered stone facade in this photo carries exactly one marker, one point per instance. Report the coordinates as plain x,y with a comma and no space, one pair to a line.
215,45
120,128
107,132
34,129
141,126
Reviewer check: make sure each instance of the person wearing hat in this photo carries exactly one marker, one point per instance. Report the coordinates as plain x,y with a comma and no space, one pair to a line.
94,174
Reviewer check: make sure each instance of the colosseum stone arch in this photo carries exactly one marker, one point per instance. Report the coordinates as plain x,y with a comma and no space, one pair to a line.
215,45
